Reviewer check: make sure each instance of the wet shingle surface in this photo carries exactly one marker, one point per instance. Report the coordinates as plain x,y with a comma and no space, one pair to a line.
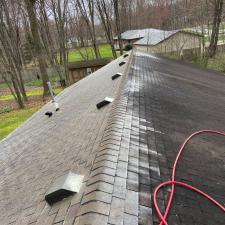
167,101
124,150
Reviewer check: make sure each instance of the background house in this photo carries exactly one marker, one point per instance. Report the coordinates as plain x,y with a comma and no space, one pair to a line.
160,41
81,69
178,42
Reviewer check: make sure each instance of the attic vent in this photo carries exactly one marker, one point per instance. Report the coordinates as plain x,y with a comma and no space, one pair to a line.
125,55
122,63
106,101
63,187
116,76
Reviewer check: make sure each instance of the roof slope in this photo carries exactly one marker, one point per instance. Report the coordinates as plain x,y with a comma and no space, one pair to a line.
45,148
159,102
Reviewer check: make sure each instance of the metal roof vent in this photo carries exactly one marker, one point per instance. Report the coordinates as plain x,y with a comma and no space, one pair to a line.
122,63
125,55
116,76
63,187
106,101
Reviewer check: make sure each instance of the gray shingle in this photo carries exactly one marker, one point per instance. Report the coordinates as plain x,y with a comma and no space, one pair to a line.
130,219
119,190
116,211
96,219
95,207
131,202
97,196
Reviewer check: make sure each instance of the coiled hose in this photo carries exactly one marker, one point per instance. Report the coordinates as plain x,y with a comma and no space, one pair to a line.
173,182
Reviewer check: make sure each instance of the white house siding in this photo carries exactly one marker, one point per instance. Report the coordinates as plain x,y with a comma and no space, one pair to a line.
176,43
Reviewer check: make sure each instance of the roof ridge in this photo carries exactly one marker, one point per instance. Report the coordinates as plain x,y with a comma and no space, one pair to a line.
97,197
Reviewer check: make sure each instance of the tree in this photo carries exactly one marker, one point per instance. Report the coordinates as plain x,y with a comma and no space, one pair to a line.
49,33
105,11
218,9
30,6
11,59
59,9
87,11
117,22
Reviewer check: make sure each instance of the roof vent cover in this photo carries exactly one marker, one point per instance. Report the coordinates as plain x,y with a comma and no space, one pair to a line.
116,76
106,101
122,63
63,187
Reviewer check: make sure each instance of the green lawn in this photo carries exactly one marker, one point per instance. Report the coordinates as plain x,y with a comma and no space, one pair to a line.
35,92
38,83
76,55
221,37
10,121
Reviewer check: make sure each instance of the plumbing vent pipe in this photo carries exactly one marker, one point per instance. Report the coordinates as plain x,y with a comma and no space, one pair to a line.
53,96
51,91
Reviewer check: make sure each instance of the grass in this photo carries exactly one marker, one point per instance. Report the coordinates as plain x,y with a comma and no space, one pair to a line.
35,92
76,55
38,83
221,37
216,63
11,120
34,82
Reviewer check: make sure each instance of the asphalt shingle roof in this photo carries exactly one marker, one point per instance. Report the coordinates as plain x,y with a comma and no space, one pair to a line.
45,148
124,150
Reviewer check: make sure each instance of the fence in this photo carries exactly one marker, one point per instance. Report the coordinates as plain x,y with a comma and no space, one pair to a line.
32,73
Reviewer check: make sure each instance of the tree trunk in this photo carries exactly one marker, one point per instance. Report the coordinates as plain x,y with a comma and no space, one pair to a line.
216,26
15,94
37,44
104,15
118,29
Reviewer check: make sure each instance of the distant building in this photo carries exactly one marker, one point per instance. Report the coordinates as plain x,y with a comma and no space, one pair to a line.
81,69
159,41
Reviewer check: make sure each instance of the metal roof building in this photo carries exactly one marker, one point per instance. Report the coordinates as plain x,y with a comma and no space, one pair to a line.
160,41
146,36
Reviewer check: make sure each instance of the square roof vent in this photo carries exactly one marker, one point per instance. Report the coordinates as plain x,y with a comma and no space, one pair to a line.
106,101
122,63
63,187
116,76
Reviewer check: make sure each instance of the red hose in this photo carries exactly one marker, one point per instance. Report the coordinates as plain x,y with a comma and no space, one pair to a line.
172,182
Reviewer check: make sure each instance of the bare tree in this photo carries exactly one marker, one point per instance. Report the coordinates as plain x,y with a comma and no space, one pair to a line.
49,39
59,9
10,48
218,9
105,11
30,6
6,70
117,22
87,11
